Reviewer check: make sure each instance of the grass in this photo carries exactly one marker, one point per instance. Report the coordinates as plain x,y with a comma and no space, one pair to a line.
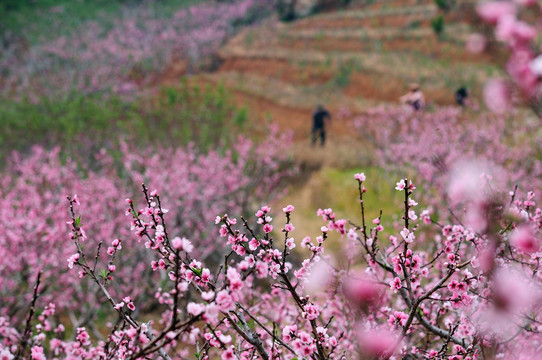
62,17
336,188
175,116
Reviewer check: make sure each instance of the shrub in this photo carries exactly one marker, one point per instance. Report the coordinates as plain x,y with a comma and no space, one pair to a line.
437,24
82,125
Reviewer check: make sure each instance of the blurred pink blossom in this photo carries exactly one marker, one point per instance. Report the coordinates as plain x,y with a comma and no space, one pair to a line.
497,96
493,11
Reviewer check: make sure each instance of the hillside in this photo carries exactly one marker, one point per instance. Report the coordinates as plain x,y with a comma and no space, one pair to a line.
349,59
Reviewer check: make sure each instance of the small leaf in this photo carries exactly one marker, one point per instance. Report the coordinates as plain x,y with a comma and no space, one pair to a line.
103,274
196,271
78,221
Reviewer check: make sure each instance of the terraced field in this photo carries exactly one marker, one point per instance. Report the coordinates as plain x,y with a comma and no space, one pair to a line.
349,59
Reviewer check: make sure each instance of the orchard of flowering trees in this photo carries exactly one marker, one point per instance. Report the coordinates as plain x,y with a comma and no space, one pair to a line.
174,255
432,290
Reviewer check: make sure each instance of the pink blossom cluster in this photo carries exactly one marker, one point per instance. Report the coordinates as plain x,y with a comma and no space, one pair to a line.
457,154
430,290
524,65
33,225
447,292
120,57
453,292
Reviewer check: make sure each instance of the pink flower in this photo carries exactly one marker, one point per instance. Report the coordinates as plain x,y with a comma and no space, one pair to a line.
363,290
290,243
207,296
261,269
523,238
377,342
493,11
288,209
395,284
229,354
289,227
267,228
119,305
234,278
182,244
195,309
311,311
253,244
72,260
536,65
37,353
211,313
505,28
497,96
205,275
360,177
224,301
476,43
407,235
6,355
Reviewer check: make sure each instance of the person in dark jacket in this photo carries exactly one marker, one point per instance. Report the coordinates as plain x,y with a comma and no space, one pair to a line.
319,119
461,96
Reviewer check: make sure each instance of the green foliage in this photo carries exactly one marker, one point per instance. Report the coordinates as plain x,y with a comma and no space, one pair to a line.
286,10
342,77
42,20
443,4
176,116
437,24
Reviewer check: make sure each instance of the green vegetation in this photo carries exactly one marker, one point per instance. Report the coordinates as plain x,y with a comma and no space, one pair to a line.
344,72
443,4
437,24
337,187
176,116
62,17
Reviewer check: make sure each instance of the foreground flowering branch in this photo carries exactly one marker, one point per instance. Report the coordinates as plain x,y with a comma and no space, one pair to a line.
433,291
516,24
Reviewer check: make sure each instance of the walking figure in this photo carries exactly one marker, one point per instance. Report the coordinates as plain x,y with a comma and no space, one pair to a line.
319,118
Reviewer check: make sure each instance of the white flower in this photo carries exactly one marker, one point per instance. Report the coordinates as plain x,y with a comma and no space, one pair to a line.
536,65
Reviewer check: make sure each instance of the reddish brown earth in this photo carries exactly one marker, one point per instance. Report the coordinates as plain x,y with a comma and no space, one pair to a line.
278,69
384,21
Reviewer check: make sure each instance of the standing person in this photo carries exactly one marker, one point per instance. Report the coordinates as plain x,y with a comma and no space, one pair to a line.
414,97
319,118
461,96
